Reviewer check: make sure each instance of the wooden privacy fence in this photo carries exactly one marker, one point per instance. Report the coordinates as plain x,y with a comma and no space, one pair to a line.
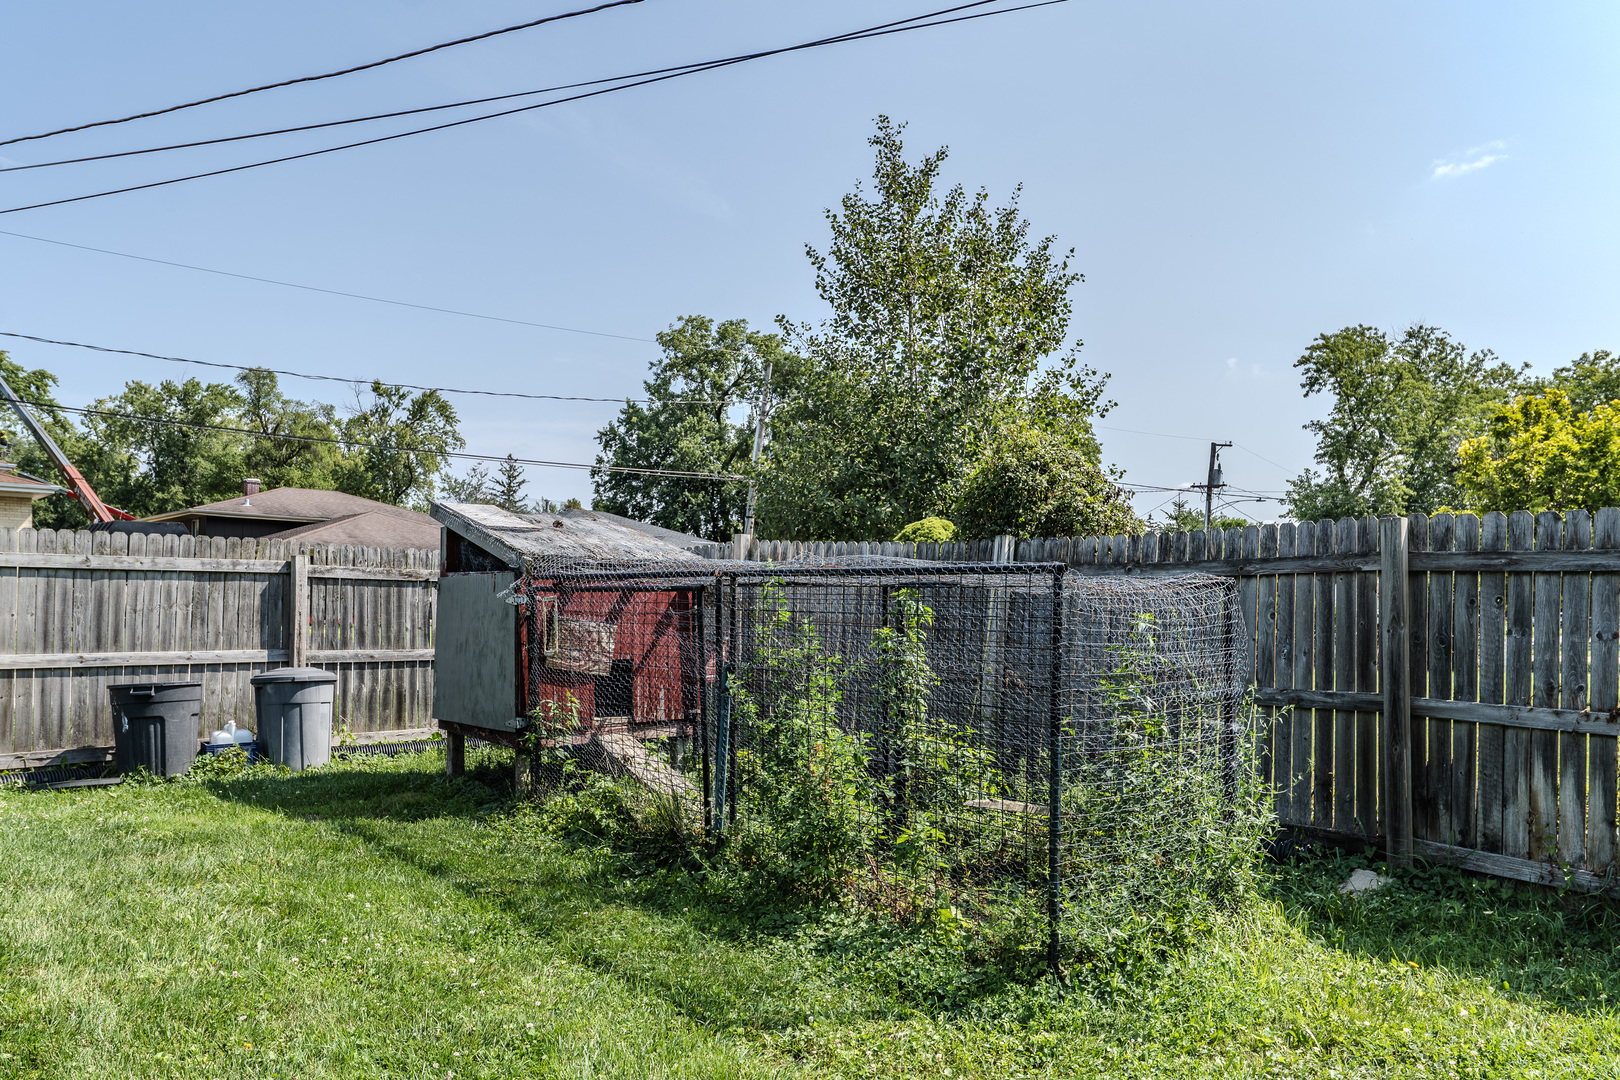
1446,686
82,610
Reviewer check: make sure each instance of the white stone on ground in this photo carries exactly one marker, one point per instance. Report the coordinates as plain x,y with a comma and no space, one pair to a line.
1362,881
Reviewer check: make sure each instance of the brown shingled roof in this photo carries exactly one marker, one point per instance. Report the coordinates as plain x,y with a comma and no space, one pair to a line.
294,504
369,529
23,484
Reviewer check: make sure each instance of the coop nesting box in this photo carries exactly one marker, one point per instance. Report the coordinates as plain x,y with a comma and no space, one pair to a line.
591,662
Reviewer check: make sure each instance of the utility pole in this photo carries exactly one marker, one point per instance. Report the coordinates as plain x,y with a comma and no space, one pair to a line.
760,407
1213,482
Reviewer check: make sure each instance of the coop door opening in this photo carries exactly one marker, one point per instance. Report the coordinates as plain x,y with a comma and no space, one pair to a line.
616,691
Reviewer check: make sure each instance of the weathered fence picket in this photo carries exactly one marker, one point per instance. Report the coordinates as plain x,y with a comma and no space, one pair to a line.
1509,669
80,611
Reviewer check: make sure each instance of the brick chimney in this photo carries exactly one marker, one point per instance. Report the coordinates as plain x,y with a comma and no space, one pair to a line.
250,486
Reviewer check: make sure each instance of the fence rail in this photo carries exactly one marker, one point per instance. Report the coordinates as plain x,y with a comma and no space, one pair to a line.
1483,733
82,610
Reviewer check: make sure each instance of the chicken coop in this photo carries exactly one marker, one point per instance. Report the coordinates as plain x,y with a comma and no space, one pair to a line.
587,663
1002,736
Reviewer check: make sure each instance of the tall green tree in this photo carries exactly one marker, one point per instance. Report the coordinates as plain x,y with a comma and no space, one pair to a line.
297,447
947,319
698,418
158,447
507,490
395,445
470,487
1402,405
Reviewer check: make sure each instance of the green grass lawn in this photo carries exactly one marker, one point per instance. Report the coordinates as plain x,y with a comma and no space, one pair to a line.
376,919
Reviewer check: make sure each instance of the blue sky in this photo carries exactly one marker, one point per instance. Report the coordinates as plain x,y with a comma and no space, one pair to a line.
1235,179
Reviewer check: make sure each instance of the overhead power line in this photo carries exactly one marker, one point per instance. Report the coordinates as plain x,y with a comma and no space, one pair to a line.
345,379
678,473
881,30
699,64
329,292
328,75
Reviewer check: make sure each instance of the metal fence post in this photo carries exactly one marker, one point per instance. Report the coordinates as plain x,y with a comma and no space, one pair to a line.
722,715
702,661
1054,753
1394,616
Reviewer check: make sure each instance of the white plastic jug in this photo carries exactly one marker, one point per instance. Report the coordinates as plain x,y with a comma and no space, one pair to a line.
243,735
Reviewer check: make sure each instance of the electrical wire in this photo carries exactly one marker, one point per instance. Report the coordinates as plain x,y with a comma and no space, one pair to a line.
860,35
353,381
329,75
1267,460
1191,438
435,108
1159,434
329,292
349,443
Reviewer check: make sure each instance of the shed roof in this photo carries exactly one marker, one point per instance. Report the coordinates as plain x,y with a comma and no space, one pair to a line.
527,540
684,541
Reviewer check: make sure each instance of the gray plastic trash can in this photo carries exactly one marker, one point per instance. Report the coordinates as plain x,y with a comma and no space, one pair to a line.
155,725
294,707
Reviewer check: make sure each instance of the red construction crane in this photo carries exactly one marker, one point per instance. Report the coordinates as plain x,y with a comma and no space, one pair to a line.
81,487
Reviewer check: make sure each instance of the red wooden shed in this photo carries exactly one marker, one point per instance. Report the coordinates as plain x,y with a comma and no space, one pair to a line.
521,644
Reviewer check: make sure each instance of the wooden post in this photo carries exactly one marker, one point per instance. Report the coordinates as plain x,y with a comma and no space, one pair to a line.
523,774
1394,601
298,610
455,753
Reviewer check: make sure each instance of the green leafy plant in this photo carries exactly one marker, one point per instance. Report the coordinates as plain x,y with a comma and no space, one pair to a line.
806,822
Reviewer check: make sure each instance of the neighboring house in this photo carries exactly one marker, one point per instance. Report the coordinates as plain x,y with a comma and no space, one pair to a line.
320,517
17,494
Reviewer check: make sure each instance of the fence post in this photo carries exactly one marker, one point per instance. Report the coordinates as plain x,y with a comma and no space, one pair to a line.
298,610
1394,616
1054,757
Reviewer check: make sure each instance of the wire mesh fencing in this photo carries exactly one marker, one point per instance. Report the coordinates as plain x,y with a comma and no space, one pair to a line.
1011,742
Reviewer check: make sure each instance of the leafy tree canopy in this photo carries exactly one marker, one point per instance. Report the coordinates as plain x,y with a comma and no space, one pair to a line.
1401,407
395,445
1034,481
158,447
1592,380
154,448
1542,453
283,459
944,310
693,421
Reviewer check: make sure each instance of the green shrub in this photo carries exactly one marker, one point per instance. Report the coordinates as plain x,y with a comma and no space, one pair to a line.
930,530
806,820
1033,482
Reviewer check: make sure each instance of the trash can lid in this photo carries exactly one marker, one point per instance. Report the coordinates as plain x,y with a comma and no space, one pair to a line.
294,674
153,687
